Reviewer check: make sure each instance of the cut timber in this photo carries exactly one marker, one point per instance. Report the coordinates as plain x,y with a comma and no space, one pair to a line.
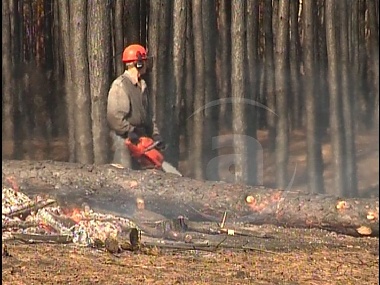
109,189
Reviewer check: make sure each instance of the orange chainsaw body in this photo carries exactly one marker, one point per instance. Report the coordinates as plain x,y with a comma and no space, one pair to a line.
145,152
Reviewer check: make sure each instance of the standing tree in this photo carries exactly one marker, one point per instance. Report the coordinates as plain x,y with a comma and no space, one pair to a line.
118,16
239,123
199,91
80,79
314,152
132,21
99,41
336,123
347,103
281,79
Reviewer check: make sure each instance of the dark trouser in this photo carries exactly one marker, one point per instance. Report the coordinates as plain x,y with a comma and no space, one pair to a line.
121,154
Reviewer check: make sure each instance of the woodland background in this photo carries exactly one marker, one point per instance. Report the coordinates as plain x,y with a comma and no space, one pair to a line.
315,63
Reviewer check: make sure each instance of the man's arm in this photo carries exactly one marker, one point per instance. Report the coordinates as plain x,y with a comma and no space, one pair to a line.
118,108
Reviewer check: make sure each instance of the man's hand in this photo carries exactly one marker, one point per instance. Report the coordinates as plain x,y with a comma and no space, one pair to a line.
161,145
133,137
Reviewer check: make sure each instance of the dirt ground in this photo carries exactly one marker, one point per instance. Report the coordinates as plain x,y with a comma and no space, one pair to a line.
297,257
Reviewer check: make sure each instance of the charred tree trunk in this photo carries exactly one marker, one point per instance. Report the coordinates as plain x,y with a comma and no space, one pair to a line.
347,104
252,22
179,43
295,75
7,69
99,62
69,184
80,79
199,91
239,121
64,24
132,21
118,36
336,123
281,79
224,59
314,151
269,73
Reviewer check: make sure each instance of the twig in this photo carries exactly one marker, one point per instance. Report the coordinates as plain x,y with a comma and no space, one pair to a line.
223,220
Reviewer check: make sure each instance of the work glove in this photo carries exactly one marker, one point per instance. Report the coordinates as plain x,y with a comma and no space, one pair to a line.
133,137
161,145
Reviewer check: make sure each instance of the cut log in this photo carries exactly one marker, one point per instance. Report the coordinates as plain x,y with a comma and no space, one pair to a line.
113,190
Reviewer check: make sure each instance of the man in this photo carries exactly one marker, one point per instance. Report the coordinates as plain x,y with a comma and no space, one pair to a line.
129,113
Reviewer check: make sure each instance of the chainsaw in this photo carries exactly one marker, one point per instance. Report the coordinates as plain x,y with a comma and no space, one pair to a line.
148,156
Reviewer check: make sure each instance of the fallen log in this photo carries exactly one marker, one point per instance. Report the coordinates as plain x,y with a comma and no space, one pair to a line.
110,189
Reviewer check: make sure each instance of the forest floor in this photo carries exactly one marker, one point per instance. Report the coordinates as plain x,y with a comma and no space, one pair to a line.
305,256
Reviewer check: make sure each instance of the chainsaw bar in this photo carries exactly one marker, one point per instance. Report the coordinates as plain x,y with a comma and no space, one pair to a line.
168,168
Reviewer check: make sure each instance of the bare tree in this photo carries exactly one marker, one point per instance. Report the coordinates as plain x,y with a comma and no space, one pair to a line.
80,79
347,103
314,152
239,125
118,17
132,21
281,79
199,91
336,122
8,95
179,44
99,62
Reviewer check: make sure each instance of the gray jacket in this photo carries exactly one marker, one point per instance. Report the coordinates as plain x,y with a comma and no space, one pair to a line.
128,107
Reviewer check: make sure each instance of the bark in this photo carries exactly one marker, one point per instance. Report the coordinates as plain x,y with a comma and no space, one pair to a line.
108,189
99,62
224,58
199,91
347,104
80,79
374,51
253,63
239,122
336,123
64,24
314,152
118,38
132,21
269,73
295,75
7,78
281,79
179,44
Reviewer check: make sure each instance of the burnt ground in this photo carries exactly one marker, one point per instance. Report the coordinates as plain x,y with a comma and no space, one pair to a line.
289,256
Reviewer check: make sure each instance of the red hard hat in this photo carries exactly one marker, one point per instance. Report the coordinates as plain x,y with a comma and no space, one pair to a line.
131,53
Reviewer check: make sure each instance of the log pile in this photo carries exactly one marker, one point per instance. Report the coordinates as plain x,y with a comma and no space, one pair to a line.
170,196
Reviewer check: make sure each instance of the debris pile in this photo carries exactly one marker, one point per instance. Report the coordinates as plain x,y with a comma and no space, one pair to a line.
41,219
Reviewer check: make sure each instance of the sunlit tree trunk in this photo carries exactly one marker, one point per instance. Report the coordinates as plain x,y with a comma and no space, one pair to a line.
99,41
80,78
314,152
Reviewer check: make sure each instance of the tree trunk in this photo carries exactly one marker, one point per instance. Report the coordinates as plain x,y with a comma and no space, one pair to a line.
224,60
8,85
281,79
253,63
65,31
347,104
119,38
199,91
181,196
374,50
179,45
80,79
295,75
336,123
269,73
314,152
132,21
99,63
239,122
